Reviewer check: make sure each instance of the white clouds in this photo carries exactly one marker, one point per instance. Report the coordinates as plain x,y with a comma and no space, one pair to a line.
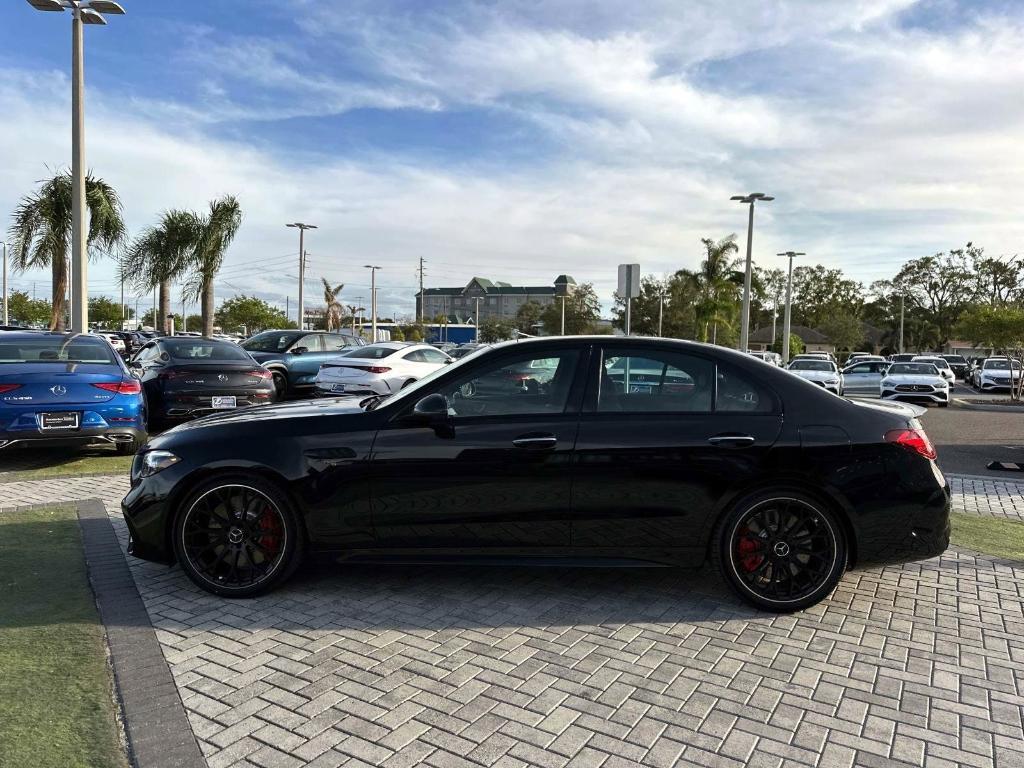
880,143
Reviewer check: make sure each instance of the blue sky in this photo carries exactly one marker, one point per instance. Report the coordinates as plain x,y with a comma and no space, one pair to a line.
522,139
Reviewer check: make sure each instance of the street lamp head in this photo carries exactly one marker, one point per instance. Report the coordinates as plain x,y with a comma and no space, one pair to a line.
47,5
89,16
300,225
752,197
106,6
791,254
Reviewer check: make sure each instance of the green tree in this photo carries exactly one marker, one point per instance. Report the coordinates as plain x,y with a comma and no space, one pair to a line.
528,315
941,286
820,292
844,330
796,345
999,327
251,314
582,309
332,315
210,237
24,309
158,256
397,334
106,313
493,330
148,321
194,323
40,235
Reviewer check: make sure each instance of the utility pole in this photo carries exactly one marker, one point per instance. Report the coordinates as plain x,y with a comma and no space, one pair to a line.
302,267
563,316
745,313
775,316
901,323
476,322
789,304
287,306
629,312
7,318
373,299
422,297
661,312
123,311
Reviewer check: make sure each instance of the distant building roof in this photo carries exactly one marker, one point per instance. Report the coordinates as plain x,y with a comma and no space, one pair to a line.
497,288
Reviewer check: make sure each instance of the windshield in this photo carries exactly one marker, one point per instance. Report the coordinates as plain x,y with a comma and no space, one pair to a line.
270,341
205,350
918,369
372,352
1001,365
955,359
73,349
811,365
938,362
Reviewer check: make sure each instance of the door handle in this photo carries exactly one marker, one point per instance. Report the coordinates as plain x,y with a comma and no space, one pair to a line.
737,441
536,442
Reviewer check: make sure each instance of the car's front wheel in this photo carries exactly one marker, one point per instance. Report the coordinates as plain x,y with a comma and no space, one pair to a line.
280,385
781,551
237,537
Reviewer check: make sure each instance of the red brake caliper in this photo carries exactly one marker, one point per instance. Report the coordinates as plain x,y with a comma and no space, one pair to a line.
749,547
271,527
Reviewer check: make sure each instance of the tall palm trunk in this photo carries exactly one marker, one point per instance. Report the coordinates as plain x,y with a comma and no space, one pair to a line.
59,277
165,306
207,308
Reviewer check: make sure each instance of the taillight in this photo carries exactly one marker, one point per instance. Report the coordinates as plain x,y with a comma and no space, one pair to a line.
8,387
126,387
172,375
913,440
261,373
378,369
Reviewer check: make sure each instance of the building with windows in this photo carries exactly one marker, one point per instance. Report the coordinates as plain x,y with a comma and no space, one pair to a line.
482,299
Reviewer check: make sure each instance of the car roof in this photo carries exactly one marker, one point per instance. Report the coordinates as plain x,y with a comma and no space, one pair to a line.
14,335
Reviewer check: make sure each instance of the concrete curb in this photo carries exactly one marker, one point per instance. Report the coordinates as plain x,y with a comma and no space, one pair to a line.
961,403
158,730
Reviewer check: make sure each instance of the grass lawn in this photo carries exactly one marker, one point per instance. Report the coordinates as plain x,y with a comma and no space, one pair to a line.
56,705
40,463
990,535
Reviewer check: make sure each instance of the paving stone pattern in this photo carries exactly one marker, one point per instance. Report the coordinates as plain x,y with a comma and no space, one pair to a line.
915,665
988,496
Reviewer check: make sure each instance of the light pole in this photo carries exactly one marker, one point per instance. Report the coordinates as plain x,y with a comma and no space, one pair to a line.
901,323
661,312
373,299
82,12
302,267
750,199
563,316
789,304
7,319
476,322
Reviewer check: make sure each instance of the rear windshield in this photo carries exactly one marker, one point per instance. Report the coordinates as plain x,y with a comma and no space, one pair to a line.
270,341
811,365
372,352
204,350
76,349
921,369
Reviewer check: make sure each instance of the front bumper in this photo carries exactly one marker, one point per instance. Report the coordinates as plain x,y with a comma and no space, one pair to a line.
990,385
147,511
935,396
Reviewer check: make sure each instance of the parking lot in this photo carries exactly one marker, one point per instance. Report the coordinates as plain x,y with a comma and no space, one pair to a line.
912,665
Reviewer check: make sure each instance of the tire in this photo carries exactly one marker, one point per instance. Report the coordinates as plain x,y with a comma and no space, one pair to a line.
261,525
752,558
130,448
280,385
943,405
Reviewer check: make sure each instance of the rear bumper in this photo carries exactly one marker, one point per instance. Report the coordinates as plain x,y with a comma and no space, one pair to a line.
183,410
105,435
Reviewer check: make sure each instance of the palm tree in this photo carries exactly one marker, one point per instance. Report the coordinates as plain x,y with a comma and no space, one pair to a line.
211,236
333,313
353,312
159,256
41,232
717,282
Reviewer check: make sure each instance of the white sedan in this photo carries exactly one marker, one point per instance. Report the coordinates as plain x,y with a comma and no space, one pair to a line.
822,372
939,362
378,369
919,382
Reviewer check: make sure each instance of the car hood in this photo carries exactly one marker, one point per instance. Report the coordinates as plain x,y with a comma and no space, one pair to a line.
914,378
816,375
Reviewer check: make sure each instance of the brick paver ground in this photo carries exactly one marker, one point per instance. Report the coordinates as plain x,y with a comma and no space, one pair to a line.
915,665
988,496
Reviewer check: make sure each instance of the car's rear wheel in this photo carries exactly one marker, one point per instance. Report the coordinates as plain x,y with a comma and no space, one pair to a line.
237,537
781,551
280,385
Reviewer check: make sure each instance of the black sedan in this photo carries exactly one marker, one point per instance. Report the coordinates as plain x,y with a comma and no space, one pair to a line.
779,483
187,376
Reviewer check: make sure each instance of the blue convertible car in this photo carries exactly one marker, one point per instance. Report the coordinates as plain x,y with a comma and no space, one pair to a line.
62,388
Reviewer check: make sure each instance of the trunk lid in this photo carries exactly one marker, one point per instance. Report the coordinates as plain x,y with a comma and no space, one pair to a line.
217,376
59,384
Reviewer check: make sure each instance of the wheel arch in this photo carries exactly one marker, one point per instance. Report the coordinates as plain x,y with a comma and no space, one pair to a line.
205,474
829,497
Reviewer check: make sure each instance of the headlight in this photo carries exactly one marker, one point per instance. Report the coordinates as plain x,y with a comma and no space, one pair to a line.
886,382
156,461
832,381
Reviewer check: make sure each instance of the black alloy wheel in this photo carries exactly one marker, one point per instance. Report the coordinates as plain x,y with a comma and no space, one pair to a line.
237,537
781,551
280,385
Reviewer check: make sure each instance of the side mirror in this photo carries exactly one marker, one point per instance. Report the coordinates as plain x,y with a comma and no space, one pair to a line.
134,364
431,409
300,350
